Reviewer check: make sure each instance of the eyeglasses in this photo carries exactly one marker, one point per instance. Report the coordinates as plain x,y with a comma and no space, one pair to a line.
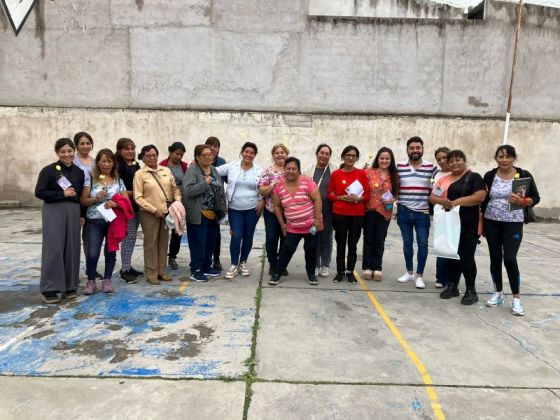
150,156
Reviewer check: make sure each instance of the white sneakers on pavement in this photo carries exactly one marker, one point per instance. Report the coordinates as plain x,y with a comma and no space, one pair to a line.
243,269
517,307
406,277
231,272
420,283
496,299
324,271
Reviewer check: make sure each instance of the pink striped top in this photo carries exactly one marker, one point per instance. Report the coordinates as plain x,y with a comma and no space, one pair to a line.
298,207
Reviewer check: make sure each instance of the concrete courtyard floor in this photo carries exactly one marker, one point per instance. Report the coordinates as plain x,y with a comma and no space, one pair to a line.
233,349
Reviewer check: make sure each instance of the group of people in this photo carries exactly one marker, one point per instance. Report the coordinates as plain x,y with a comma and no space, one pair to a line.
109,196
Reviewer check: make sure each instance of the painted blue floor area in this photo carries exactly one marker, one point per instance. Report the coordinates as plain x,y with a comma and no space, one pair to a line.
138,331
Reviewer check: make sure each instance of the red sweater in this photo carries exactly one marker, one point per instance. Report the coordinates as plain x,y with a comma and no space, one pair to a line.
340,180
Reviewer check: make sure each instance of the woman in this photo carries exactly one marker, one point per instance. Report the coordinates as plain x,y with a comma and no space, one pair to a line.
503,227
154,191
178,168
127,167
348,191
465,189
321,172
105,184
82,159
270,179
441,159
205,203
59,186
383,188
244,206
298,201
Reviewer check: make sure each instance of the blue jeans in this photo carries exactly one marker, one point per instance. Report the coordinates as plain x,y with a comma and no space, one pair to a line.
242,225
409,221
274,238
96,231
201,244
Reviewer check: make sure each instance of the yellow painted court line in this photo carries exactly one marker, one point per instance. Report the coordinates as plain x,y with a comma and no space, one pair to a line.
183,286
426,378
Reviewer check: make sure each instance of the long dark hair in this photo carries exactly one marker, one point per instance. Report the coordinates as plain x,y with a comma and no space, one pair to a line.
111,156
392,168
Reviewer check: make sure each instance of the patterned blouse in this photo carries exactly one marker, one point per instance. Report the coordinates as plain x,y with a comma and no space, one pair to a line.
111,189
269,175
378,186
498,206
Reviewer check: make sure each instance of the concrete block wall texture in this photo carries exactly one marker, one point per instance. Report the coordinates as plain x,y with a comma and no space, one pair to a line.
30,134
265,55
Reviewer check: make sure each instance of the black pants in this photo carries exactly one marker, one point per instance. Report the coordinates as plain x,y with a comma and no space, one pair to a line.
375,232
466,265
217,244
174,244
347,230
289,247
504,240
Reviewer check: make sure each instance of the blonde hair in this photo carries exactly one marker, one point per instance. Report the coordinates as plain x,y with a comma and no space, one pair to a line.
279,146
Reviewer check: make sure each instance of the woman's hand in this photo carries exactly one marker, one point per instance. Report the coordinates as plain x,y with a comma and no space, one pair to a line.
447,204
284,228
101,195
353,198
516,199
69,192
260,207
110,204
390,201
317,222
82,221
159,214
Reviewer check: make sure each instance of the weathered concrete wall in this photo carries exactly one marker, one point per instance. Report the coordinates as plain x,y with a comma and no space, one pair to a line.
29,135
269,55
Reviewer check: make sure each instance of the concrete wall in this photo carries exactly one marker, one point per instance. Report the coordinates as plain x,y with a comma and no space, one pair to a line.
31,133
269,55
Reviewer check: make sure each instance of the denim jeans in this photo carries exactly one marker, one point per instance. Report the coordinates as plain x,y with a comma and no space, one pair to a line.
410,221
96,232
242,225
201,244
274,238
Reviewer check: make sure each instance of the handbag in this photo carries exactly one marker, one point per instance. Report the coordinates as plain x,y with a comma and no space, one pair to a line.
447,232
529,215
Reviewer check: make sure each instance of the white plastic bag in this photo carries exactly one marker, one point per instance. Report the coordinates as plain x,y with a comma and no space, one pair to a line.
447,232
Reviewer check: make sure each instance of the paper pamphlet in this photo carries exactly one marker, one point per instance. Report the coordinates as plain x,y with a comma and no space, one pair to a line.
108,214
355,188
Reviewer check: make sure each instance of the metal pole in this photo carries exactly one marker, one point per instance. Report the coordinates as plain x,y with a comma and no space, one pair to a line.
517,30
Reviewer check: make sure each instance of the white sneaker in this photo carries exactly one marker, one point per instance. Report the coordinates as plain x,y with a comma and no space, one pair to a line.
439,285
324,271
517,307
231,272
496,299
368,274
243,269
420,283
405,277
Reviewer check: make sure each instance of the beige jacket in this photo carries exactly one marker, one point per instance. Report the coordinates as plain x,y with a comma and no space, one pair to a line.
148,194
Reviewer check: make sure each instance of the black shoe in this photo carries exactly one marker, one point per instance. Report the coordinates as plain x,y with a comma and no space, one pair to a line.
99,275
340,276
172,262
128,276
274,280
217,265
50,297
135,273
449,292
71,294
284,273
312,279
469,297
351,278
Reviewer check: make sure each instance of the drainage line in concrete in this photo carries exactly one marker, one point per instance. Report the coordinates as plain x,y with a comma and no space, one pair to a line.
249,377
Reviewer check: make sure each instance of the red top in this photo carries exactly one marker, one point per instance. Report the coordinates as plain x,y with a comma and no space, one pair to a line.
340,180
377,187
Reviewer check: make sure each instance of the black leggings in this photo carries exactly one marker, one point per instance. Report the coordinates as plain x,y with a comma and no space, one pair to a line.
347,230
504,240
466,265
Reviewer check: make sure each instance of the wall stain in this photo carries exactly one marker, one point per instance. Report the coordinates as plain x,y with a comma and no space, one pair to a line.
40,25
116,350
474,101
204,331
122,354
140,4
3,20
47,312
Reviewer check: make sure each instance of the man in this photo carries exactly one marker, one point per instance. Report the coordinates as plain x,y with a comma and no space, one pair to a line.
413,208
214,144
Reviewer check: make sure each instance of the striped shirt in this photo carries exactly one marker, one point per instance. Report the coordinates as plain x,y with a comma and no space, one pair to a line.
298,207
415,184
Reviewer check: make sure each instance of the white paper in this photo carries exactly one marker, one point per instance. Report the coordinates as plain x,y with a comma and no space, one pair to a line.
64,183
355,188
108,214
